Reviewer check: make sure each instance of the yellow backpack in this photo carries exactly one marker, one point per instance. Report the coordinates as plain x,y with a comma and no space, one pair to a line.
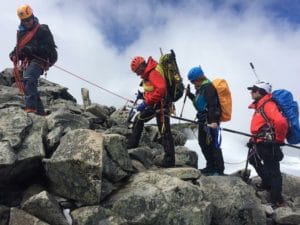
225,99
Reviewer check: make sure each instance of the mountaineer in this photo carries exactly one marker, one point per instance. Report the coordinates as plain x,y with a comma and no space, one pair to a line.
206,102
36,51
154,105
269,129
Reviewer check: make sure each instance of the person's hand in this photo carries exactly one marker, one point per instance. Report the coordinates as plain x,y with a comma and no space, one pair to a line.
249,144
188,89
188,92
12,56
140,95
26,51
141,107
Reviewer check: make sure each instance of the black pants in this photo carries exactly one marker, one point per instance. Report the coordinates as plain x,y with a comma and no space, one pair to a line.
163,126
265,158
208,141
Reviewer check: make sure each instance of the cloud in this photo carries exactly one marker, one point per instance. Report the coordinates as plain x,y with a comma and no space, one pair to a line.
97,39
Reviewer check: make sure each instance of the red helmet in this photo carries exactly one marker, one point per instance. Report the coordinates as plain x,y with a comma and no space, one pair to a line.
136,62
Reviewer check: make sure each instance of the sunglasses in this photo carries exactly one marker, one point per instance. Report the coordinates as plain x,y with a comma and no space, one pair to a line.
27,20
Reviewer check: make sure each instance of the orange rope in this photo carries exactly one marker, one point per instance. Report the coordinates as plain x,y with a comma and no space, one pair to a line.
18,80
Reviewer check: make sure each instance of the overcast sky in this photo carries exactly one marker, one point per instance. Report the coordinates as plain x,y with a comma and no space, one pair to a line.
97,40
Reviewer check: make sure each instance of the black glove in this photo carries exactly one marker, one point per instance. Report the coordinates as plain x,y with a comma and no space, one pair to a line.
12,55
26,51
249,144
189,94
140,95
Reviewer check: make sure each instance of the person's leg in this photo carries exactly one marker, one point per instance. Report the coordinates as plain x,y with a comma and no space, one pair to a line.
30,79
204,142
138,126
256,162
167,141
217,152
273,173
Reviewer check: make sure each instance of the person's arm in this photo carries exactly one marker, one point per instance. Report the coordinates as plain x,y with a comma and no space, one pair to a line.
160,88
213,106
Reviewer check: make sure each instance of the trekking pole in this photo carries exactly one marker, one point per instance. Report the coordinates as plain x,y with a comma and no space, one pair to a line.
228,130
184,100
253,69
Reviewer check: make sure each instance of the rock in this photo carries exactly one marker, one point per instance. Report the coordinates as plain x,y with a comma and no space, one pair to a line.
18,217
75,168
45,207
151,198
234,201
285,215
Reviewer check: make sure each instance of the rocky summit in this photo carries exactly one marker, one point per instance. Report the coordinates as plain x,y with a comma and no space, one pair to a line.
72,166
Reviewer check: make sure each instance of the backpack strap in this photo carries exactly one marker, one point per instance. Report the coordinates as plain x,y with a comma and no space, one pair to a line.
27,37
270,128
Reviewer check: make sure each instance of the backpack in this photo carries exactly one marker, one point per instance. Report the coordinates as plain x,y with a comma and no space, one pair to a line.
289,108
225,99
167,66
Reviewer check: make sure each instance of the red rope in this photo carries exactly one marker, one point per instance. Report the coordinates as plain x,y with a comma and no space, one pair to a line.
18,80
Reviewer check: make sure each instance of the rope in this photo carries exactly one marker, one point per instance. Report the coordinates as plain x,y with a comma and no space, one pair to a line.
81,78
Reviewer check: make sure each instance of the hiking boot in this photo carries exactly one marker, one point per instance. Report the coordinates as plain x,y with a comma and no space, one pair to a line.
28,110
43,113
168,162
214,174
278,205
206,170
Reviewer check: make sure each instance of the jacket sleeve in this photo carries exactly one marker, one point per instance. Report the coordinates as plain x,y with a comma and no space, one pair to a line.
213,106
277,120
159,91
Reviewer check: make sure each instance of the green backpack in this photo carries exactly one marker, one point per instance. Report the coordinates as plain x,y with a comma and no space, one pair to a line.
167,66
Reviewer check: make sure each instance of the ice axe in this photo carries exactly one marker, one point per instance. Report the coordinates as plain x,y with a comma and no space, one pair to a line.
245,174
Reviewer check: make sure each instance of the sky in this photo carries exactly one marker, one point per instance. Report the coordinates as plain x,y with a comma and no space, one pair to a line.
97,39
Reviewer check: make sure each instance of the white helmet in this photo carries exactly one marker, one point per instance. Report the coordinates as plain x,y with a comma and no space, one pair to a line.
261,85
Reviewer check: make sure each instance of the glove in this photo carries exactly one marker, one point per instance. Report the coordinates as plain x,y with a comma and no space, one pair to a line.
140,95
12,56
26,51
250,143
189,94
141,107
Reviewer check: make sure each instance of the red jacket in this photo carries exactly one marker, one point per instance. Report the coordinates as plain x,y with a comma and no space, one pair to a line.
154,83
276,119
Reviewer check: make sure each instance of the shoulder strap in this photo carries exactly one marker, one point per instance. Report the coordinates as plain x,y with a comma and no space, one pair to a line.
27,37
262,112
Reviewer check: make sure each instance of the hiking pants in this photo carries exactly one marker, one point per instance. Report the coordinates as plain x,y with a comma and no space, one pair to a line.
164,129
30,78
208,141
266,163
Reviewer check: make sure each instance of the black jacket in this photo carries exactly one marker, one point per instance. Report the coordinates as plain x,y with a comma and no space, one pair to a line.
41,45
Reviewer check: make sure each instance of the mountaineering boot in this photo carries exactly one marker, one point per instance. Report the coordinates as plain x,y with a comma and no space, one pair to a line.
28,110
206,170
168,161
279,204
